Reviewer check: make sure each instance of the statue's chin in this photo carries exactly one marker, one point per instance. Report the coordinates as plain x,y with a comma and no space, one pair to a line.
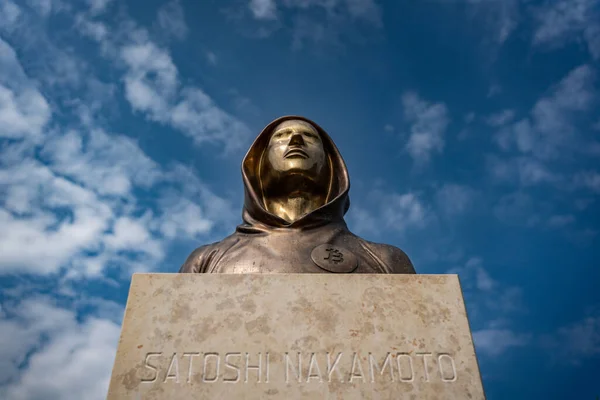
299,164
297,172
292,173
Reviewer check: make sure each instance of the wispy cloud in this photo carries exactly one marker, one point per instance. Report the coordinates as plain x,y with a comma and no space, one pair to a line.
33,192
428,125
22,114
392,212
71,188
9,14
263,9
494,342
550,130
315,21
560,221
499,19
152,87
454,199
171,20
516,208
98,6
563,21
501,118
84,350
551,133
491,304
589,180
576,342
24,111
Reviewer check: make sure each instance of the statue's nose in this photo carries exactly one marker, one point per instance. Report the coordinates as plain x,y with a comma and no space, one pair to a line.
296,140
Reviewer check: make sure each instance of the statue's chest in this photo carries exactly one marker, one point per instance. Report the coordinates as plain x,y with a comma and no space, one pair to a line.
294,254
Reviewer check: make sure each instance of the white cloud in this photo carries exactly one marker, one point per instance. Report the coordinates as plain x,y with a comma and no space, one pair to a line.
404,211
454,199
516,209
499,18
263,9
494,90
573,93
42,7
470,117
171,20
501,118
152,87
9,15
212,58
550,131
391,211
494,342
51,222
22,114
576,342
77,210
35,316
182,217
200,118
95,30
559,221
363,221
560,22
549,134
151,79
98,6
317,21
492,303
582,338
532,172
474,276
32,247
108,164
52,338
47,219
11,73
589,180
526,171
366,10
428,125
133,235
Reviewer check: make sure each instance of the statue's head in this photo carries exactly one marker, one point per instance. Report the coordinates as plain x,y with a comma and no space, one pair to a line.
292,168
296,147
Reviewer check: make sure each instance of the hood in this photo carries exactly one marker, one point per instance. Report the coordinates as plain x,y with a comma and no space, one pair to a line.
258,219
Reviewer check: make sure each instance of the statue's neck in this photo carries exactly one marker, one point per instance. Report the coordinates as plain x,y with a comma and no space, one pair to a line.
295,206
292,199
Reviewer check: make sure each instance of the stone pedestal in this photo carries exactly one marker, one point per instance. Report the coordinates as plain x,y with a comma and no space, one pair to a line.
295,336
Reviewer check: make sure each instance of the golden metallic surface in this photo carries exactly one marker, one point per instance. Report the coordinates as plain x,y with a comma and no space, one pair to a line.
296,195
294,175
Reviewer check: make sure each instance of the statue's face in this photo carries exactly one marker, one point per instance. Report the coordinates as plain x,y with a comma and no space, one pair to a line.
296,146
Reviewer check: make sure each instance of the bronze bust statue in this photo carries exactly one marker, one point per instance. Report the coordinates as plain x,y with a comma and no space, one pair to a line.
296,194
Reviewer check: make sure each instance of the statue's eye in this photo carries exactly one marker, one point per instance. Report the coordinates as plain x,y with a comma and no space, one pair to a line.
310,134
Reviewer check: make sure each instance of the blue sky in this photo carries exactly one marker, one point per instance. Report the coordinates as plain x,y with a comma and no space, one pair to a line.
470,128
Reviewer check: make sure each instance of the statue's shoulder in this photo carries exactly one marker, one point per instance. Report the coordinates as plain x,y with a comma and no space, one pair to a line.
196,261
200,259
204,257
394,259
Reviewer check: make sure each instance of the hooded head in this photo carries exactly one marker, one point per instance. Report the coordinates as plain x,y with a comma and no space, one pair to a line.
294,146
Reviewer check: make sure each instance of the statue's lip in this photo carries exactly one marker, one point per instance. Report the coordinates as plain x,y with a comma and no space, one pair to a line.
293,152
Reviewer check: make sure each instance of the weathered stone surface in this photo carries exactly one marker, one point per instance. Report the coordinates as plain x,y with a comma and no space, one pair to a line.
297,336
